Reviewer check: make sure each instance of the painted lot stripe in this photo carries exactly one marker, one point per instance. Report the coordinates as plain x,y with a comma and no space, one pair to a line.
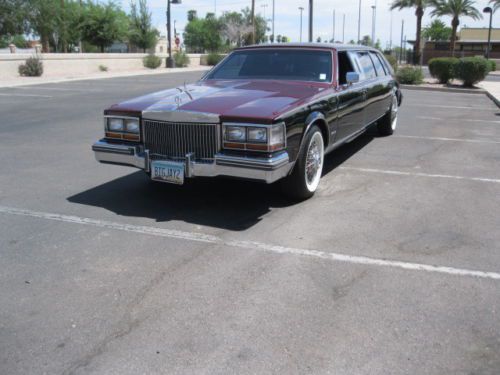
27,95
199,237
462,120
447,106
446,139
417,174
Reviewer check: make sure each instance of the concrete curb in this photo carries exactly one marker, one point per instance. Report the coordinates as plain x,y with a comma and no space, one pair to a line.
25,81
493,98
444,89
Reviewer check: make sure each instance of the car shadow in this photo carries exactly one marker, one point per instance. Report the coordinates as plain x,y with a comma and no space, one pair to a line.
224,203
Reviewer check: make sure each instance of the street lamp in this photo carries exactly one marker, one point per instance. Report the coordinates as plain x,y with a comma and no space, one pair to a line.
170,60
311,12
359,23
374,17
490,11
301,10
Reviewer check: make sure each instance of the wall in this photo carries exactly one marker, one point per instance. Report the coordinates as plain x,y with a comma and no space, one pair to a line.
79,64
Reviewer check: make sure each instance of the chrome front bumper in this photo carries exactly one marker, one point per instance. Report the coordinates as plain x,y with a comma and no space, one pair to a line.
263,169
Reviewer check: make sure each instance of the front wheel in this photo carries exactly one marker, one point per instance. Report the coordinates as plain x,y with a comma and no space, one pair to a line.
387,124
306,175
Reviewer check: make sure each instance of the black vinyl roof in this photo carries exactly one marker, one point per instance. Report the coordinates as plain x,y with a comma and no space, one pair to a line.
336,46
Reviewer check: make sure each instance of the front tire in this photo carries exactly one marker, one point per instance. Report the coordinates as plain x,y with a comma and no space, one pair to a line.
387,124
306,175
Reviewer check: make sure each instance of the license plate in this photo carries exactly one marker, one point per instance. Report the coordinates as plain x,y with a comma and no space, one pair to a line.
167,171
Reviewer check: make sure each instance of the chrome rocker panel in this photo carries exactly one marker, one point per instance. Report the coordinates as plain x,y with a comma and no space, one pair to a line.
267,170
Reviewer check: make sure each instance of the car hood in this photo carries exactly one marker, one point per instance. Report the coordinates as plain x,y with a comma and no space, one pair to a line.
230,100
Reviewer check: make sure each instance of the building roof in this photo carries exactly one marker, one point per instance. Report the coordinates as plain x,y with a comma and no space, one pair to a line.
477,35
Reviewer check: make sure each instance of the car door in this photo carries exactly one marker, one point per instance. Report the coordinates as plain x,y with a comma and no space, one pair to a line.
382,88
351,98
371,86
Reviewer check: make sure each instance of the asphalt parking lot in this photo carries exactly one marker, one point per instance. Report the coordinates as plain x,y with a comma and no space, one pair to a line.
392,268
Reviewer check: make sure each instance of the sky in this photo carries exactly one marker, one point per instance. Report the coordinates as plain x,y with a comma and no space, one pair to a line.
287,17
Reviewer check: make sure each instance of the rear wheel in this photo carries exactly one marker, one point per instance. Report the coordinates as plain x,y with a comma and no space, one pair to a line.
306,175
387,124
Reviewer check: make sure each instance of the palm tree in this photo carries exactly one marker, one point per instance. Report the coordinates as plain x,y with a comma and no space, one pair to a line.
455,9
496,4
419,6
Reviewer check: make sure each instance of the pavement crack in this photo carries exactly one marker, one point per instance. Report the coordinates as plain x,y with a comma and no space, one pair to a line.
128,322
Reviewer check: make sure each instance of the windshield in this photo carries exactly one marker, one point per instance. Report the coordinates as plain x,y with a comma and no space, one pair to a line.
278,64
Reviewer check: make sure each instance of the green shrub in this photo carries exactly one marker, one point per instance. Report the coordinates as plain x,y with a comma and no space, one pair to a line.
472,70
33,67
181,59
151,61
493,65
443,68
214,59
103,68
409,75
393,61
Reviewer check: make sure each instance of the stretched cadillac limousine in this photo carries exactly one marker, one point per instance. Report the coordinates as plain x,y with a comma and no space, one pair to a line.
265,113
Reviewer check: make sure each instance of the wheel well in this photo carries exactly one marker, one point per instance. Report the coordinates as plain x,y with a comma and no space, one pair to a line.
324,130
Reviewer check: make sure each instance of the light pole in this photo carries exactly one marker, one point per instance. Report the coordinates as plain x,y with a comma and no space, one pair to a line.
359,23
374,17
170,60
311,12
490,11
390,41
301,10
334,26
264,6
273,23
343,30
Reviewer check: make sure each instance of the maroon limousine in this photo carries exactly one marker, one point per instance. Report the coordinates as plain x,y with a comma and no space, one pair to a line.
265,113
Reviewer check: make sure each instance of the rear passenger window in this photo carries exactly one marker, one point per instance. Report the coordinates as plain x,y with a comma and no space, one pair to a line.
378,65
366,65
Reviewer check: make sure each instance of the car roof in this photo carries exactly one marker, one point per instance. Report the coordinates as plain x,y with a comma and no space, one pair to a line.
335,46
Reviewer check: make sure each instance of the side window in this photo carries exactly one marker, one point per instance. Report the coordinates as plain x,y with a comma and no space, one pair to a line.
345,66
378,65
387,66
366,65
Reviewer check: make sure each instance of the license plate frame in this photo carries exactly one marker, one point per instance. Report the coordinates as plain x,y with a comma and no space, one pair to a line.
167,171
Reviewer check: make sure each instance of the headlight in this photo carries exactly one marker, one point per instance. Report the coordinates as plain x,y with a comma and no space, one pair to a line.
254,137
235,134
258,135
132,126
115,124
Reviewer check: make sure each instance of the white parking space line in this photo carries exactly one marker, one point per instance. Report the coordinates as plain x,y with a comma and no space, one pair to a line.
199,237
446,139
461,120
422,105
417,174
55,89
27,95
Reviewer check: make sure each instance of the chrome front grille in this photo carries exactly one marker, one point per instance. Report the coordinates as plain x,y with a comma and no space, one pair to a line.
175,140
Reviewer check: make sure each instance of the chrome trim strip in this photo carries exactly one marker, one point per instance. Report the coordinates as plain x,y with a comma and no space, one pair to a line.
181,116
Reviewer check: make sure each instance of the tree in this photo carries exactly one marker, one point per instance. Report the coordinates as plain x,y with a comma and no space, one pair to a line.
142,34
284,39
104,24
192,15
13,17
419,6
496,4
455,9
318,40
234,28
212,29
437,30
366,41
43,19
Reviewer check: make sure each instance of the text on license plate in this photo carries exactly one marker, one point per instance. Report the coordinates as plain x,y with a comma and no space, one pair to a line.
167,171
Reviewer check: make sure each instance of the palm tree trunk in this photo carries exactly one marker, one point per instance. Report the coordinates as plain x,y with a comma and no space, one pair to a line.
416,48
454,26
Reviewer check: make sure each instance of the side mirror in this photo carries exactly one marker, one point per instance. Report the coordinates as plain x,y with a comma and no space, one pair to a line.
352,77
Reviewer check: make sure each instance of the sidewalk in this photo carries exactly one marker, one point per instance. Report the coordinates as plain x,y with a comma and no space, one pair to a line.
27,81
492,90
